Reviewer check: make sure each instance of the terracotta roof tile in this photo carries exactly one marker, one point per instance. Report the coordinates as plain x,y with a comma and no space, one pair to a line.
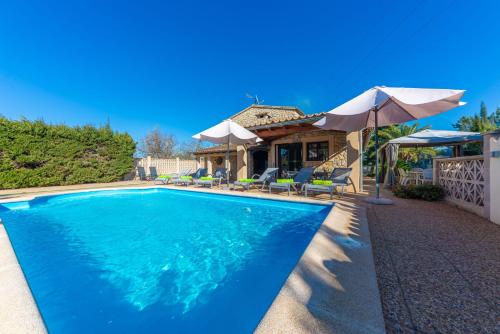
217,149
277,122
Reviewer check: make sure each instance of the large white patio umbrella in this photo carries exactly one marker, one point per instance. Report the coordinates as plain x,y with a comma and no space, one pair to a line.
230,133
382,106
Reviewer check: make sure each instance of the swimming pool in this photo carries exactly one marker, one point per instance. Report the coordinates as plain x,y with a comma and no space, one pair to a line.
157,260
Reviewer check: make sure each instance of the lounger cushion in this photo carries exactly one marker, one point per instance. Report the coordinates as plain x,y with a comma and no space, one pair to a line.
246,180
322,182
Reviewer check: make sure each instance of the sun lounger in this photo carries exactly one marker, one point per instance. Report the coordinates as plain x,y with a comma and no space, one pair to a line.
141,173
188,179
268,176
211,180
165,179
338,178
303,176
153,173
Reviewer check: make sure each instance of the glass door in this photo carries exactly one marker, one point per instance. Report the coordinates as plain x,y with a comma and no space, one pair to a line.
289,157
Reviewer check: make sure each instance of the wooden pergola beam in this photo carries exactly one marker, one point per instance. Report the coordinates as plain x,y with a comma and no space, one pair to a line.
283,131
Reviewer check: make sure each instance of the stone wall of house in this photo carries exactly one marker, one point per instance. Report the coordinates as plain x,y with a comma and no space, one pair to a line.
212,161
255,114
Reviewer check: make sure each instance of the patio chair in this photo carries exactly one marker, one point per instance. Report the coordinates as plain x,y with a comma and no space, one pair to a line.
403,177
165,179
141,173
303,176
210,180
268,176
339,178
153,173
416,175
188,179
427,175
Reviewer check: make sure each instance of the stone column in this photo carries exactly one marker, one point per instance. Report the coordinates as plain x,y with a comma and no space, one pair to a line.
208,164
354,158
241,162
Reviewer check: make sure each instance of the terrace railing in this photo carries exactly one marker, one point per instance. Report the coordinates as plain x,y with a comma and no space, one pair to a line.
463,179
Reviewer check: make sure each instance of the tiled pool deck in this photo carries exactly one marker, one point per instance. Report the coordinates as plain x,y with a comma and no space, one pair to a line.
438,268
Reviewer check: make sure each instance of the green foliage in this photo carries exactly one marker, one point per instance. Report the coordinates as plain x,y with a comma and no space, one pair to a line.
402,164
481,122
395,131
35,154
427,192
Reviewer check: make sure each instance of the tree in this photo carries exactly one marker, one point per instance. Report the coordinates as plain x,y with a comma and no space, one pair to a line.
495,118
483,113
479,122
158,144
187,148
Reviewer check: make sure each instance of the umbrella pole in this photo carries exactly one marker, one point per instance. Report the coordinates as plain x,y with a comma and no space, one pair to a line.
377,185
377,200
227,163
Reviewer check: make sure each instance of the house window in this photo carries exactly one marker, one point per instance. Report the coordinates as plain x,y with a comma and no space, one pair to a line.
317,151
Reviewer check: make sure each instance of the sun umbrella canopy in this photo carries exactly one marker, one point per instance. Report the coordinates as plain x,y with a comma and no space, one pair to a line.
393,105
228,132
381,106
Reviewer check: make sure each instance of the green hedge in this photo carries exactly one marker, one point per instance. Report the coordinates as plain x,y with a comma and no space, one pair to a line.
427,192
35,154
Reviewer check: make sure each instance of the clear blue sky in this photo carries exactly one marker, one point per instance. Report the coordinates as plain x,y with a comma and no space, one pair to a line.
186,65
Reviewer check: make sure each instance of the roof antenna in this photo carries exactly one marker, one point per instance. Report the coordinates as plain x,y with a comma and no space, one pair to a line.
254,98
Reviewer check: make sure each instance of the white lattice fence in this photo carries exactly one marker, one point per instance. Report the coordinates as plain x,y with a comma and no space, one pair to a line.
165,166
463,180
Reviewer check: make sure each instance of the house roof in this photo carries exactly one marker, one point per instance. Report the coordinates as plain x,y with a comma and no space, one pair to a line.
258,117
223,148
286,120
216,149
257,114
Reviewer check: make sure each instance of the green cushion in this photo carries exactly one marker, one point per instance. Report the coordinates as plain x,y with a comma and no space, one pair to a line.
246,180
165,176
284,180
186,177
206,178
323,182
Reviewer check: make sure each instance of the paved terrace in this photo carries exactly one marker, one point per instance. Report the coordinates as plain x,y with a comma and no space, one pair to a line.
438,268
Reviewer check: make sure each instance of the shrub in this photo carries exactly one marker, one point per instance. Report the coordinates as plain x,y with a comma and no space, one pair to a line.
35,154
427,192
403,165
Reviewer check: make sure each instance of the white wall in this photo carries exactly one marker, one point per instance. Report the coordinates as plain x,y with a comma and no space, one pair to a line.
166,166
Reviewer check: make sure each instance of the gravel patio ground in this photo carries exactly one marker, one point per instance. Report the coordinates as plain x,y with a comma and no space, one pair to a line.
438,267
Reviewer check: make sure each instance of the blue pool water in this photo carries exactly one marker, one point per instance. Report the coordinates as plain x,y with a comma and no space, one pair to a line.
157,260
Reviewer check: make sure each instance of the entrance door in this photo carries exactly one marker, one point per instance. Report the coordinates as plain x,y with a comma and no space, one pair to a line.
259,162
289,157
